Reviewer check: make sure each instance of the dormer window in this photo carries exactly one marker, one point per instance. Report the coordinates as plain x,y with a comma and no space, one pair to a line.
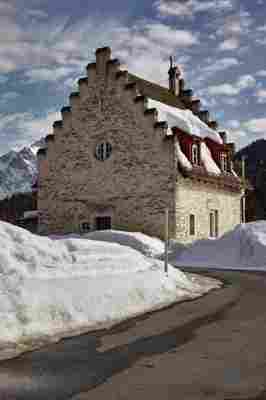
195,154
223,161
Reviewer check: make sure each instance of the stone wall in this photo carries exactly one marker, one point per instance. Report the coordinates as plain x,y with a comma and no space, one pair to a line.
133,186
200,198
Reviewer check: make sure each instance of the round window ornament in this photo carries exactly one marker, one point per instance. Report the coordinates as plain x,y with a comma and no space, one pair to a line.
103,151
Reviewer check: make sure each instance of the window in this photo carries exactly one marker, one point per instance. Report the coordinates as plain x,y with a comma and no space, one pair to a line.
192,224
102,223
195,154
103,151
85,227
223,161
213,223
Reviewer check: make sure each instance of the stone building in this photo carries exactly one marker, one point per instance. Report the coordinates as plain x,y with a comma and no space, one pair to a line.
21,209
126,149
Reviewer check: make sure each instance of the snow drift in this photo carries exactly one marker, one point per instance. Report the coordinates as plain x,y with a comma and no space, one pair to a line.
242,248
149,246
51,289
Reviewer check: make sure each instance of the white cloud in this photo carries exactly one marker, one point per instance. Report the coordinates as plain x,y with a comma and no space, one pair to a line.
231,26
48,74
233,89
261,96
231,101
191,7
233,123
256,125
225,89
38,14
261,28
229,44
261,41
166,35
220,64
28,127
262,73
245,82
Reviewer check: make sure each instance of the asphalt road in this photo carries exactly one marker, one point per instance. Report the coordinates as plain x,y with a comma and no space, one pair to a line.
210,348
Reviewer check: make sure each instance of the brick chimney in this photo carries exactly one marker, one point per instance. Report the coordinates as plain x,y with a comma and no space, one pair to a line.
174,73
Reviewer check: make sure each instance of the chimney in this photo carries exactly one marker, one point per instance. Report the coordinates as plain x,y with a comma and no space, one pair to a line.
174,74
223,136
103,55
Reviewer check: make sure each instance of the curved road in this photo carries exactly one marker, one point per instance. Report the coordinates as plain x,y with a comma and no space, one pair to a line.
210,348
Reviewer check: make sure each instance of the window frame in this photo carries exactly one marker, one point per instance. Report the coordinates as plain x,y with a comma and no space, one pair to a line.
195,154
224,162
103,151
85,227
213,223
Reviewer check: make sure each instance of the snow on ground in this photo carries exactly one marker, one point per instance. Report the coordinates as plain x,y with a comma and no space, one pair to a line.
51,289
242,248
149,246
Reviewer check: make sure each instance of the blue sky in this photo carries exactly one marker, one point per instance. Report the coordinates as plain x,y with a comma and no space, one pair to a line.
220,46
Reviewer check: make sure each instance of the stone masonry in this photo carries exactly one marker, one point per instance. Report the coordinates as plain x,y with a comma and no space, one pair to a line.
139,179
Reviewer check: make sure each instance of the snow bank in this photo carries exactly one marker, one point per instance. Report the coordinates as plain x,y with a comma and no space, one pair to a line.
184,120
51,289
149,246
242,248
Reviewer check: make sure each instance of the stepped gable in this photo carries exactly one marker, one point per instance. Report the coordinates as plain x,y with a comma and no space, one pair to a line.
140,90
111,132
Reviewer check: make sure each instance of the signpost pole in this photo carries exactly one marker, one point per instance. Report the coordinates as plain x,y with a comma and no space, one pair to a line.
166,243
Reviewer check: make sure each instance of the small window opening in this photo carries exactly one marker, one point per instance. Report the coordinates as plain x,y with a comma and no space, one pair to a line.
102,223
192,224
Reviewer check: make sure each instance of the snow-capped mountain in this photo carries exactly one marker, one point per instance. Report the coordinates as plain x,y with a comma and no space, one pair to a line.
18,169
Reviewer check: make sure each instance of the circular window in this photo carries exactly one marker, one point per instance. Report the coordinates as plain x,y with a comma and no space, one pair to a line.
103,151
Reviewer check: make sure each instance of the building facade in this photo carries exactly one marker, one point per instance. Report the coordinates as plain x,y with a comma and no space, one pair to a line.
111,162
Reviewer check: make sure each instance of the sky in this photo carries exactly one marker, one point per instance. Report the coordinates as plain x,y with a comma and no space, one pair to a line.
45,45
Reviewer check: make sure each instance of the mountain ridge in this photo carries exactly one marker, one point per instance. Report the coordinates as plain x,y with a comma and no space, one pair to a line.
18,170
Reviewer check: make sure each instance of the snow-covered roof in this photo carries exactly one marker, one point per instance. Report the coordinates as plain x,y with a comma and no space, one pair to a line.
184,120
184,161
207,160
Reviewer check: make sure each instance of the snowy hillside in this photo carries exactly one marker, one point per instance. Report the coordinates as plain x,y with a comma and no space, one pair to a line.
51,289
18,170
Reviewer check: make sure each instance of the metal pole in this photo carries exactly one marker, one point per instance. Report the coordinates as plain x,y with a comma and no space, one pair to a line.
166,243
244,195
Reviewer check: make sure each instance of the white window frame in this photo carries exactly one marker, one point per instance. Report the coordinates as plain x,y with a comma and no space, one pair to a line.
223,161
195,154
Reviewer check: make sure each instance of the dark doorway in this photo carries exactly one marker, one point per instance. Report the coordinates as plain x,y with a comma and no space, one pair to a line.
102,223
